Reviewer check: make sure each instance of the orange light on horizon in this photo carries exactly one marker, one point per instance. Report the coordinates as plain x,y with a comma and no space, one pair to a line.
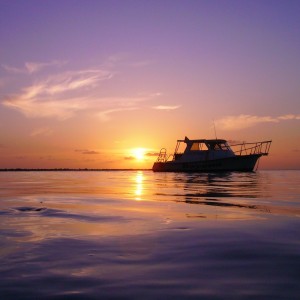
139,153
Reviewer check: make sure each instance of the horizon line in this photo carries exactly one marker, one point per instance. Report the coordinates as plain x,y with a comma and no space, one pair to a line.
71,169
100,169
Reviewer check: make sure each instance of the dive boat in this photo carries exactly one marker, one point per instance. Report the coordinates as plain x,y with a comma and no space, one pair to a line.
213,155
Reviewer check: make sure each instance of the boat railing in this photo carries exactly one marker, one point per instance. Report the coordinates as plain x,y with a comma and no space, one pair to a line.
162,156
261,148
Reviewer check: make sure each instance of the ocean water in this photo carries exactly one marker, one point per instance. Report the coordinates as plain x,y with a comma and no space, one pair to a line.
145,235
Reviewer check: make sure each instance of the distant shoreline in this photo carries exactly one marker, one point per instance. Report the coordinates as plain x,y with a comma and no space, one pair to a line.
66,169
102,170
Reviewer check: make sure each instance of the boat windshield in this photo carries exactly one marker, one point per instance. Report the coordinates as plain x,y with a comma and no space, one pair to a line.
218,146
196,146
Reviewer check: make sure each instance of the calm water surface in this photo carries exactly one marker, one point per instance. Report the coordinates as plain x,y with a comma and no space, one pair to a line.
145,235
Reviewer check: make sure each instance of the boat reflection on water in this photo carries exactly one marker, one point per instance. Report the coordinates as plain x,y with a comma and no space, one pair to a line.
235,195
226,185
225,194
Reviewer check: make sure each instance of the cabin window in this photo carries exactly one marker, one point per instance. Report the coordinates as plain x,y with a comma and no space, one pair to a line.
195,147
224,147
198,147
219,147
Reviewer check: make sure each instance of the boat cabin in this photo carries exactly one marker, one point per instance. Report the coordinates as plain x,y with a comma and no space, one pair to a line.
202,150
211,155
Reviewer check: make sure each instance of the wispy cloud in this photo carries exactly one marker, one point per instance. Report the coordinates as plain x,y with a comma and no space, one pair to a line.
65,94
152,154
32,67
289,117
106,114
109,106
34,108
142,63
246,121
13,69
166,107
69,81
3,82
147,155
125,59
52,97
118,57
86,151
129,158
45,131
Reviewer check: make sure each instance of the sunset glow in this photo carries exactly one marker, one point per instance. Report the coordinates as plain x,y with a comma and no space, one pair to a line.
139,153
79,94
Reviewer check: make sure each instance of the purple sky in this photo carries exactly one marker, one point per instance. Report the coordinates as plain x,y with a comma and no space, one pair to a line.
109,76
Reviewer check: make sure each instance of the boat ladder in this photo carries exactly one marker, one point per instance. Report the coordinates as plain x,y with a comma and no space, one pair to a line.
162,157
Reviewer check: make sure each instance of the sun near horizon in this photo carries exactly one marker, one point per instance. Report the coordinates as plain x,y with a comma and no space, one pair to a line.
138,153
140,157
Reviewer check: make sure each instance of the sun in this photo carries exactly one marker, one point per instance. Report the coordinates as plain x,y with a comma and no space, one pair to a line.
139,153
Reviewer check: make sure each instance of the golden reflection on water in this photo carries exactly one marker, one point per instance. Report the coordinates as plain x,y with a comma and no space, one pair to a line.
85,230
36,206
138,178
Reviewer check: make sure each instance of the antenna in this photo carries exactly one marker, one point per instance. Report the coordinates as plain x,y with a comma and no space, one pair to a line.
215,129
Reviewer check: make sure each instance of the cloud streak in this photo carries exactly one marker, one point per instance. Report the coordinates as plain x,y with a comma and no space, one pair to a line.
33,67
118,104
152,154
63,95
44,131
166,107
106,114
86,151
247,121
52,97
